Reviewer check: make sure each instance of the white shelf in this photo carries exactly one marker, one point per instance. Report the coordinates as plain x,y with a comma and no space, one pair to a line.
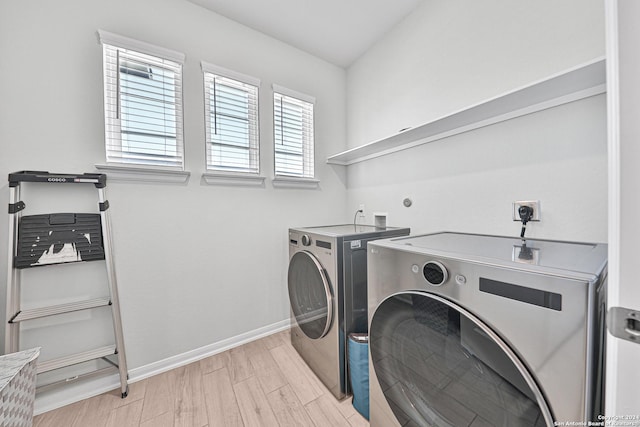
577,83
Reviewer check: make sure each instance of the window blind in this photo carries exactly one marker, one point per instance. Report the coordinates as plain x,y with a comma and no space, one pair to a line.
293,136
143,108
232,131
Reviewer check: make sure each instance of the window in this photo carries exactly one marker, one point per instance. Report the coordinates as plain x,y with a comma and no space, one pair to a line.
143,103
231,119
293,133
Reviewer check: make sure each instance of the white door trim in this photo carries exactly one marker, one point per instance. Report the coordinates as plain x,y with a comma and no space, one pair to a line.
613,136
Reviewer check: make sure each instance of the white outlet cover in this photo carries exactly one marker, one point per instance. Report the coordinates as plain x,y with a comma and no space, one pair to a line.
535,204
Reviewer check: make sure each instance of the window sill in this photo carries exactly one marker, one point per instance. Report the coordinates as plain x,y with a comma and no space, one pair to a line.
117,173
233,179
291,182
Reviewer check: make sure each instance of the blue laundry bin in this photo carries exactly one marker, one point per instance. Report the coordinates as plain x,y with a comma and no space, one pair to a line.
358,350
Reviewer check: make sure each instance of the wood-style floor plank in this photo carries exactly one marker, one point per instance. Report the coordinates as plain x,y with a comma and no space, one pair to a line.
324,413
126,415
275,340
158,398
65,416
188,403
265,367
298,375
239,365
95,411
254,406
220,399
358,420
288,409
164,420
262,383
345,406
215,362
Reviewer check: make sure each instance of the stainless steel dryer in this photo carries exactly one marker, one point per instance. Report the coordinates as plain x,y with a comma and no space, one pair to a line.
474,330
327,282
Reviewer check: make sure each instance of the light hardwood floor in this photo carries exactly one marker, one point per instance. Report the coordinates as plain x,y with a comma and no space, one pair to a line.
262,383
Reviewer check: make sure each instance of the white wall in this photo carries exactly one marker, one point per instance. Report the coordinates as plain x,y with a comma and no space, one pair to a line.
196,264
448,55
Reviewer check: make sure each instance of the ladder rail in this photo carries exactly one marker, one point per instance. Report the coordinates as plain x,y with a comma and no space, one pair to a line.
11,341
113,287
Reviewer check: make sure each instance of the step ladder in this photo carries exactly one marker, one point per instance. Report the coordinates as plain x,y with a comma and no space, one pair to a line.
49,239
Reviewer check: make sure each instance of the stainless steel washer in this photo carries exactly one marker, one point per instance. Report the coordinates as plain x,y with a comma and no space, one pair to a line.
474,330
327,281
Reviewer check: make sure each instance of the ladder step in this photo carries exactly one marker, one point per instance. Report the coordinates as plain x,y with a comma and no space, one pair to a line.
36,313
97,372
74,359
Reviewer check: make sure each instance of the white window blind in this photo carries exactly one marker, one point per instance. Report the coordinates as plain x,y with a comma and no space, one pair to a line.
231,117
293,134
143,105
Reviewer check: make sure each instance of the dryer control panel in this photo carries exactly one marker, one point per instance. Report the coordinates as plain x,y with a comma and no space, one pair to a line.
306,240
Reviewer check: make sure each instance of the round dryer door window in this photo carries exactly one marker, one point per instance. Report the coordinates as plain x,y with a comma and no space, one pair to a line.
439,365
309,295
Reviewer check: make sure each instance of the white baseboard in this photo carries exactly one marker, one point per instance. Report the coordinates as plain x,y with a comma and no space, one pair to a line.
173,362
71,393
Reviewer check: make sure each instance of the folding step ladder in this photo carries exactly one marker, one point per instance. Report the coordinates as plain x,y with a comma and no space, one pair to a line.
40,240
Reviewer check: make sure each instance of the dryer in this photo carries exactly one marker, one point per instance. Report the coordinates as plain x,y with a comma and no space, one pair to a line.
327,283
476,330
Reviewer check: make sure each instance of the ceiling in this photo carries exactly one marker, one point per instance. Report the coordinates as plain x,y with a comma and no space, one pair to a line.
338,31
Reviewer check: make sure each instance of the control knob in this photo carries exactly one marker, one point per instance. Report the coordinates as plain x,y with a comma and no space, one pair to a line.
306,240
435,273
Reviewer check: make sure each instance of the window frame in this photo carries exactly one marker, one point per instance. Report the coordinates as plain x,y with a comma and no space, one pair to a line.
113,125
215,175
283,179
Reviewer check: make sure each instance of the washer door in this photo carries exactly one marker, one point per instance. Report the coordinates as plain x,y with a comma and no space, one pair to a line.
439,365
310,295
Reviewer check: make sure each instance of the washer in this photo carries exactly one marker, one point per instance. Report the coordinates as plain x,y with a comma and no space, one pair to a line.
476,330
327,281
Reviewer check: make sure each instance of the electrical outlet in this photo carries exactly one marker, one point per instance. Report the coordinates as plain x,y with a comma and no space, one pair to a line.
533,204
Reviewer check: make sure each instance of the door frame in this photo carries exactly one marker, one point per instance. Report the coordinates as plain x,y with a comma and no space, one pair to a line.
622,375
